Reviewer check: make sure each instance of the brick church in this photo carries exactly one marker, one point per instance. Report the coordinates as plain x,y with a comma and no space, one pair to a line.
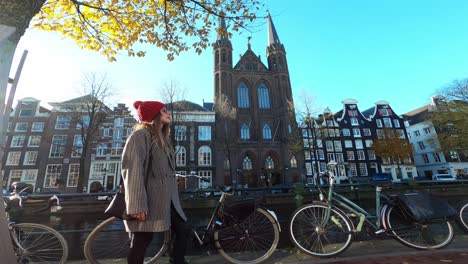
255,127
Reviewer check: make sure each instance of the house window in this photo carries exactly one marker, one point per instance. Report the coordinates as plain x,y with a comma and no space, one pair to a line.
77,146
30,158
245,132
417,133
204,156
396,122
356,132
421,145
34,141
400,133
17,141
371,154
350,155
453,154
15,175
369,143
118,134
180,133
387,122
269,164
346,132
425,158
13,158
73,175
243,96
348,144
427,130
117,149
352,170
29,176
57,148
21,127
207,175
329,145
263,97
322,167
363,169
293,162
352,112
436,157
379,133
339,157
204,133
358,143
337,145
62,122
181,156
247,163
330,156
37,127
83,122
384,112
361,155
321,155
106,132
354,121
379,122
266,132
26,112
100,150
366,132
53,172
119,122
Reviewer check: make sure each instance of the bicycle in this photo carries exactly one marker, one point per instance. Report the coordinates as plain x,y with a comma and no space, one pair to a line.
35,243
241,232
324,228
462,217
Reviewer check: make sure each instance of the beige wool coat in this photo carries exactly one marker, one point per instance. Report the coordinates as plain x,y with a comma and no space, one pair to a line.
149,182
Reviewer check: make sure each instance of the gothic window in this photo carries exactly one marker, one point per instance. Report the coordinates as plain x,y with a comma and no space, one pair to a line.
243,96
263,97
180,156
269,164
266,132
247,163
217,57
293,162
245,132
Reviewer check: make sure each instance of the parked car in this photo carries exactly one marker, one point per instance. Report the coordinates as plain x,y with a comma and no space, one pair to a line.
443,177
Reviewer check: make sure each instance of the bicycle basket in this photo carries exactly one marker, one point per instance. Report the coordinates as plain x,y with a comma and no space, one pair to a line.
239,210
423,207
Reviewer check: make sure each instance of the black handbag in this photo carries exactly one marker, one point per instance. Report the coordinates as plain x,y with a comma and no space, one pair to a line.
117,206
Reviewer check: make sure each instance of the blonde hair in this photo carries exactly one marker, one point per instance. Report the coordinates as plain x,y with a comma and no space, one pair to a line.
160,132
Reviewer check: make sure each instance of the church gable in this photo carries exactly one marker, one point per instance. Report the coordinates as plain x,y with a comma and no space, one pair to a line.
250,62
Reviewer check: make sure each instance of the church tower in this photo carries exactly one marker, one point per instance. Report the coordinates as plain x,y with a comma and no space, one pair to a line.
254,143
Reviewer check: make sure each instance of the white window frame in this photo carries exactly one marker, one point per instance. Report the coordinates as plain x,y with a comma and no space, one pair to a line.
181,156
13,158
30,158
52,173
37,126
204,156
17,141
62,122
21,127
204,133
73,175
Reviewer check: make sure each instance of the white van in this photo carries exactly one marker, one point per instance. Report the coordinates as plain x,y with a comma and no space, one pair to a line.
443,177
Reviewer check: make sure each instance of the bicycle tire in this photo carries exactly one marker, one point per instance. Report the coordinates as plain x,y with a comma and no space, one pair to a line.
251,241
463,216
433,235
106,241
311,236
36,243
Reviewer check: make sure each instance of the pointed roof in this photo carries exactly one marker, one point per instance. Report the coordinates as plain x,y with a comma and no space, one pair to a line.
272,35
222,25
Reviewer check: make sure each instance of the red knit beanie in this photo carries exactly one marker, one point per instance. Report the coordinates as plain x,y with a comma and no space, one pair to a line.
147,110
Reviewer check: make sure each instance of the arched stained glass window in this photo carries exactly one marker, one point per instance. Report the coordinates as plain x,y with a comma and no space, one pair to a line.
247,163
243,96
266,132
245,132
263,97
269,164
293,162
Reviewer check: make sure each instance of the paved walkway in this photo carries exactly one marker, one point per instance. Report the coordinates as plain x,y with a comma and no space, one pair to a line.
376,251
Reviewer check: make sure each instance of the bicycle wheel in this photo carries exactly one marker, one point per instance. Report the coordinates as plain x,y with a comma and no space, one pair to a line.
463,216
36,243
316,236
109,241
251,241
434,235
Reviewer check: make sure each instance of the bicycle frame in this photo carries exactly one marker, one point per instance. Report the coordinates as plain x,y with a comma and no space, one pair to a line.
350,208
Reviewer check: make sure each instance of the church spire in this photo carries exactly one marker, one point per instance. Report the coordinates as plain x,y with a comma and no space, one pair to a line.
272,35
222,27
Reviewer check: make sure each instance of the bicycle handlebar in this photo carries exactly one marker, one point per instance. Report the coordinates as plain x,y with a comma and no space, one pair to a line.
192,174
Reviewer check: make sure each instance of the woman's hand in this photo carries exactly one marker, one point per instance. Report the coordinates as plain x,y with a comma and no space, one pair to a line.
141,216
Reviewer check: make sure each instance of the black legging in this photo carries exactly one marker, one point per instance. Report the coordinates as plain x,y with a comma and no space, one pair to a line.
139,241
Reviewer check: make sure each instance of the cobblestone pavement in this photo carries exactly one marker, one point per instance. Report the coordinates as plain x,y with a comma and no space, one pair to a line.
386,251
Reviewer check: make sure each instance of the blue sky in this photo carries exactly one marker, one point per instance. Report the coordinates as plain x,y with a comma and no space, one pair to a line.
392,50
